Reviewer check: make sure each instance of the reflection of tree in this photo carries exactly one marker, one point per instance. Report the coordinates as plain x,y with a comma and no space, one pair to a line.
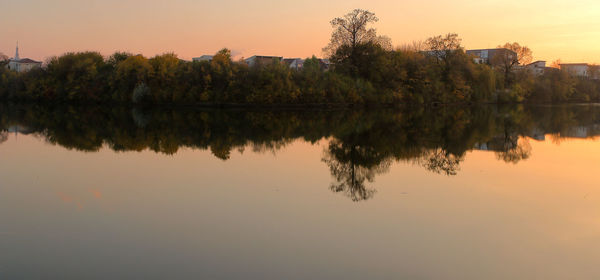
352,165
441,162
509,145
138,116
514,150
3,136
272,146
365,142
221,150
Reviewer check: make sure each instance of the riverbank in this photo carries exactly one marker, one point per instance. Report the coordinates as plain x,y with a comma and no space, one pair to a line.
387,78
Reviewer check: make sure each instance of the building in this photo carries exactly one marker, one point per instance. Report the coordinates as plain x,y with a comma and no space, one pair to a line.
581,70
20,129
203,58
537,134
294,63
22,64
257,60
298,63
486,56
576,69
438,54
537,68
325,64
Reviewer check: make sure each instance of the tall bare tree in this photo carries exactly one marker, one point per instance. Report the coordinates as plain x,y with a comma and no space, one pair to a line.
556,63
507,62
3,136
414,46
442,46
524,54
352,30
3,59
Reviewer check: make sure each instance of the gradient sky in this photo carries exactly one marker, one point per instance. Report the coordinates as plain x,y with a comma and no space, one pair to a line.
553,29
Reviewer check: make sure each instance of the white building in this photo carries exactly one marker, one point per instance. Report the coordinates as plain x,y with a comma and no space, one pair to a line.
298,63
325,64
22,64
203,58
294,63
487,56
260,60
576,69
537,67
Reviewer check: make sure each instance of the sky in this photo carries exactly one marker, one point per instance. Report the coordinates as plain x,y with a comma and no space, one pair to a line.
553,29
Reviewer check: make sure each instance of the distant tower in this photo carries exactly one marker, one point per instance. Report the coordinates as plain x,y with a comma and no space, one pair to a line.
17,52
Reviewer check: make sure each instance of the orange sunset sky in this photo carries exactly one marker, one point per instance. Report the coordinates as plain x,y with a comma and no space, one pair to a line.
566,30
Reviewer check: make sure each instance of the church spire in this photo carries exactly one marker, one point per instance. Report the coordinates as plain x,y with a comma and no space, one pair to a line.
17,52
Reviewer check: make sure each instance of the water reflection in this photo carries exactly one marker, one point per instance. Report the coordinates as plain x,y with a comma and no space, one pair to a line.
351,165
362,143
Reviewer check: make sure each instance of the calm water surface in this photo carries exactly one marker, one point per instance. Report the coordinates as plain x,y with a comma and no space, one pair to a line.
438,193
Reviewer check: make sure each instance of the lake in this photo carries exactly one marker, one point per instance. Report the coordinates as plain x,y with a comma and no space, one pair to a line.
481,192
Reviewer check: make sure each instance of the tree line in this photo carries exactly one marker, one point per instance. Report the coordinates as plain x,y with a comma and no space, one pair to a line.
366,70
362,143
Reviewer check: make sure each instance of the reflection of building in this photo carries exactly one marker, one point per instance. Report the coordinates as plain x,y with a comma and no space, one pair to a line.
203,58
22,64
481,147
537,134
579,132
20,129
496,144
499,143
487,55
257,60
16,130
582,131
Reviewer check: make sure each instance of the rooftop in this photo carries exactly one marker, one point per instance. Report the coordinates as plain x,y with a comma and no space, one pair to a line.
265,56
25,60
474,50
